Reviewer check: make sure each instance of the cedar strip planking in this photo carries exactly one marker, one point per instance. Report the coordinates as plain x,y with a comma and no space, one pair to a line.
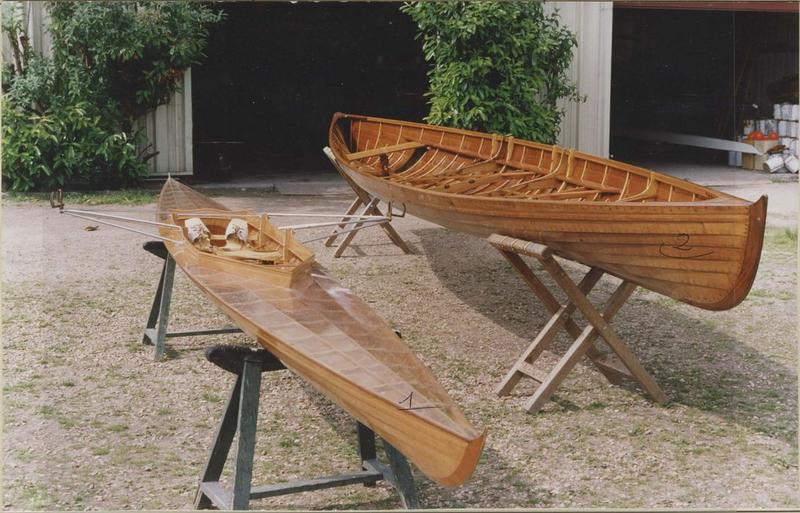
650,228
325,334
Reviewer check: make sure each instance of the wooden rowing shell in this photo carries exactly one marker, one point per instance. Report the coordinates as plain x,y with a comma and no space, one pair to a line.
275,291
685,241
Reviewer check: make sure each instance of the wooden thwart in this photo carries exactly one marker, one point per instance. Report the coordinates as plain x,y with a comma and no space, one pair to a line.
411,145
628,365
370,208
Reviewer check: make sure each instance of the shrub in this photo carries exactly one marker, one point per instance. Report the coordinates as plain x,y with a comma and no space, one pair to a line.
135,51
495,66
69,119
66,144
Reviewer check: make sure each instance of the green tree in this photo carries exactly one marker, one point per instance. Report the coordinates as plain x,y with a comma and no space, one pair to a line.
69,118
496,66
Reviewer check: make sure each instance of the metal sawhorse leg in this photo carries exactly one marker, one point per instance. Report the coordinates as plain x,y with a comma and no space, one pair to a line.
240,416
155,333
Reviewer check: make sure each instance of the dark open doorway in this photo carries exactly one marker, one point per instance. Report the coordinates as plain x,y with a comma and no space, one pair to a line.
699,72
276,72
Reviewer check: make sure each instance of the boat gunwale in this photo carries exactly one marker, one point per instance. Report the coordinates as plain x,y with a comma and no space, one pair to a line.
720,196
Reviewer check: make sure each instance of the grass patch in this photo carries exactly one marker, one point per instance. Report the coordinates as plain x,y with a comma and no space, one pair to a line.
19,387
100,451
47,410
784,239
636,431
121,197
779,294
24,455
65,422
121,456
117,428
36,496
211,398
288,443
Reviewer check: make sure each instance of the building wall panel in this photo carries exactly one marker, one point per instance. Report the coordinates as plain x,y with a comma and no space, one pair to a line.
586,125
169,131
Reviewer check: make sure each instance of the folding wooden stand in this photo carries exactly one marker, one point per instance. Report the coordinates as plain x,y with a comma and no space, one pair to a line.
155,332
370,207
240,417
583,344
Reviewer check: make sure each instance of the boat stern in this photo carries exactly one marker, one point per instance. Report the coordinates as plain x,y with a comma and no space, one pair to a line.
757,220
469,460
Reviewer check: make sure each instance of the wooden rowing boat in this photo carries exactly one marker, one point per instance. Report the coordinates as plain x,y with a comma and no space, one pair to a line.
272,288
685,241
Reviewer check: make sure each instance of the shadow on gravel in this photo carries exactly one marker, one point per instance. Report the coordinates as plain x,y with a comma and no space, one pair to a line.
430,494
697,362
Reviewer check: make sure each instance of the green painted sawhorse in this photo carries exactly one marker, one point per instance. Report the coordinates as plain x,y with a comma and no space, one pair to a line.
240,416
155,333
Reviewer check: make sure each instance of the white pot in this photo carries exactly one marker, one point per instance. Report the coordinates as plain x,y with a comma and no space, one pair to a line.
792,163
774,164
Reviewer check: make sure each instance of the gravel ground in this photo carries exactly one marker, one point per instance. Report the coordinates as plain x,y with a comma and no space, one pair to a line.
91,422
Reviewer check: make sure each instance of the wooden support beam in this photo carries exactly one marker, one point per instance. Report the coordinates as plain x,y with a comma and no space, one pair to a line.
156,329
370,208
350,211
613,371
582,345
576,351
599,322
384,150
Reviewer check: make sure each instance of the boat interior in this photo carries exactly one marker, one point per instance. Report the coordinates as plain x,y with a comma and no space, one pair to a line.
483,165
241,236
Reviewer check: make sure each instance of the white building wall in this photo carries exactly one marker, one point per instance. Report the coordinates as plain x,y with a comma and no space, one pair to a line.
37,20
169,133
586,125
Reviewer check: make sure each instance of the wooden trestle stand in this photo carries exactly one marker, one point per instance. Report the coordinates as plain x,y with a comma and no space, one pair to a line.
240,417
628,365
370,208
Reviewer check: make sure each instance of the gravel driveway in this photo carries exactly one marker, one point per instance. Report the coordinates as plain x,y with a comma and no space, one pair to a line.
91,422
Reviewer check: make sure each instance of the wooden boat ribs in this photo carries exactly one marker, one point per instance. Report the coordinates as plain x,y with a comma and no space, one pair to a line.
671,236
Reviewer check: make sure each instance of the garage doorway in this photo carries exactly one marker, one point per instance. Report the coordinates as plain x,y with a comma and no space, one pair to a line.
699,72
276,72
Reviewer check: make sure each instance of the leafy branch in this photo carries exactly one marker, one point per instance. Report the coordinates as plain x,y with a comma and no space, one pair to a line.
496,66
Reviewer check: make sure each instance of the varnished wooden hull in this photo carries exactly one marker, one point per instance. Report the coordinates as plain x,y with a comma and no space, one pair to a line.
702,248
332,339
